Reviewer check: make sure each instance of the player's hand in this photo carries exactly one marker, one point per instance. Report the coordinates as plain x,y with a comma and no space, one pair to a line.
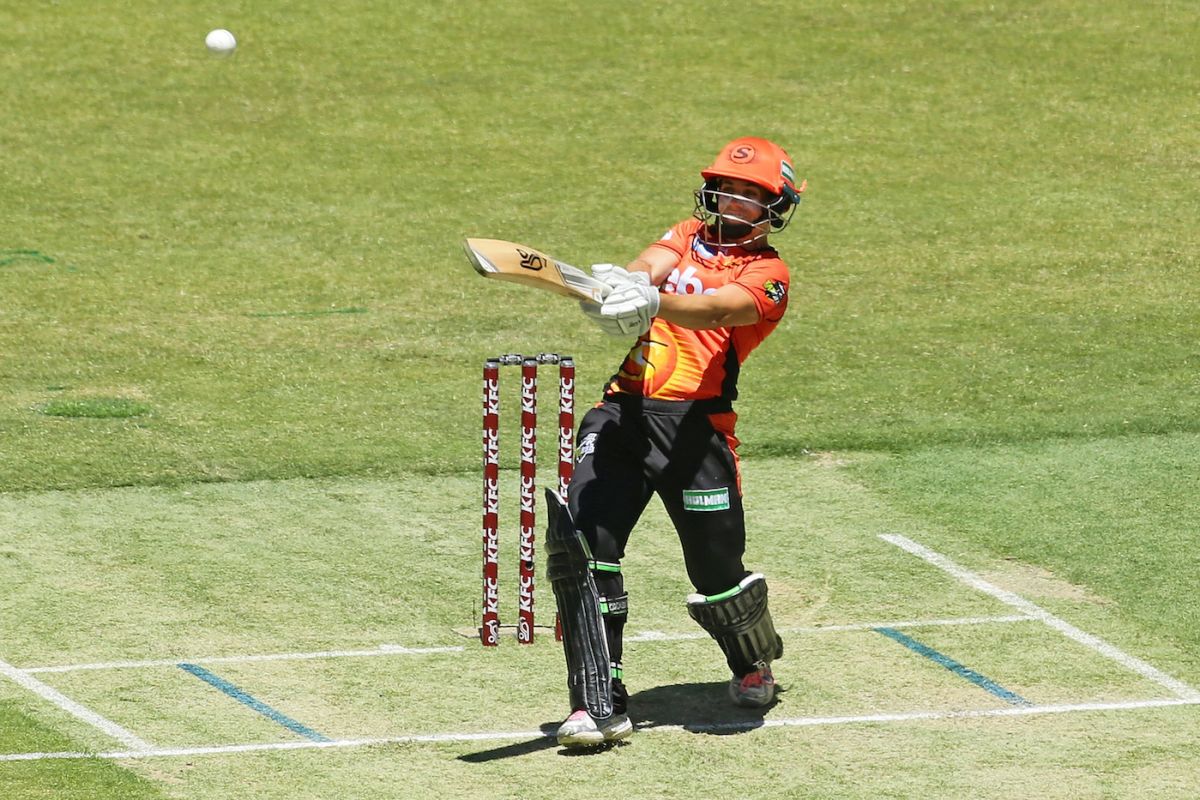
632,304
607,324
611,274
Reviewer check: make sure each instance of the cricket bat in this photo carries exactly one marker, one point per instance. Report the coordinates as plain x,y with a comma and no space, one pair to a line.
518,263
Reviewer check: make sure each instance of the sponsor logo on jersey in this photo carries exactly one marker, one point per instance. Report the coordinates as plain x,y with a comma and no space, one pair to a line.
706,499
687,282
775,291
587,446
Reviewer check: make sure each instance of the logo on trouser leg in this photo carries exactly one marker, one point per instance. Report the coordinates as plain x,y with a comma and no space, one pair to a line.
587,446
706,499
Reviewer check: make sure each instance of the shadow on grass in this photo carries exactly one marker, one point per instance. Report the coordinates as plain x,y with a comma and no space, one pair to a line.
695,707
543,742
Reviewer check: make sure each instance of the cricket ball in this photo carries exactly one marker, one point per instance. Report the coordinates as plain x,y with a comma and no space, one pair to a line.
220,42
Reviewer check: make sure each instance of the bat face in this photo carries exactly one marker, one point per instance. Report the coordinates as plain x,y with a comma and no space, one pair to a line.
532,259
518,263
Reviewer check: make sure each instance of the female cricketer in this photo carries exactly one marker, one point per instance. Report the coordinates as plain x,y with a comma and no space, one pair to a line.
700,300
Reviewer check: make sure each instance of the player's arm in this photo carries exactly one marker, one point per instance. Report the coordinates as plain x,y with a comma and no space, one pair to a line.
632,304
657,261
727,307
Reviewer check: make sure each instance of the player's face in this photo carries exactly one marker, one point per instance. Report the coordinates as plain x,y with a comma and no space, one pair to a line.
741,206
734,211
740,199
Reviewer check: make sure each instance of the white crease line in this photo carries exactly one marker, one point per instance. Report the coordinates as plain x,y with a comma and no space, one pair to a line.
1146,670
657,636
71,707
717,727
395,649
382,650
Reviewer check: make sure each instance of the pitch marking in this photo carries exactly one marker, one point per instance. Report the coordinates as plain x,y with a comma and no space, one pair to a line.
1185,694
398,650
1179,688
248,700
961,670
491,736
382,650
658,636
22,678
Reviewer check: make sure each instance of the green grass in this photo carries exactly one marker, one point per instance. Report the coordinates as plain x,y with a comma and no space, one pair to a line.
997,244
240,352
67,780
1114,515
308,566
95,407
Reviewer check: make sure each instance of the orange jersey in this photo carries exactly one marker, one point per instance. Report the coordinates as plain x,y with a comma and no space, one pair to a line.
670,362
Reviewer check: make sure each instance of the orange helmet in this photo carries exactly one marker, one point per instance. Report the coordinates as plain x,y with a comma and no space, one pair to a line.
758,161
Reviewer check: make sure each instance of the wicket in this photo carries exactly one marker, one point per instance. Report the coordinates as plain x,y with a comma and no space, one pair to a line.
489,631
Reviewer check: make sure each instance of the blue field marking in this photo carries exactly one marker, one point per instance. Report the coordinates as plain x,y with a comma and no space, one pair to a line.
955,667
259,706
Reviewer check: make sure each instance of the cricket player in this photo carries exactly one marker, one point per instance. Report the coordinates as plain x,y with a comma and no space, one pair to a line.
699,300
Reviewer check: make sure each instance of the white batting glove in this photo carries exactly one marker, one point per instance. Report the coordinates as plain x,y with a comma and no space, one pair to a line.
632,304
607,324
611,274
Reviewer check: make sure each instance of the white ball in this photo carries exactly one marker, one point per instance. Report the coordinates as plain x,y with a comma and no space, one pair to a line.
220,42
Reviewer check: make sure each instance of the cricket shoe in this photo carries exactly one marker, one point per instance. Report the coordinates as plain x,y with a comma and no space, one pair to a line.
754,690
582,730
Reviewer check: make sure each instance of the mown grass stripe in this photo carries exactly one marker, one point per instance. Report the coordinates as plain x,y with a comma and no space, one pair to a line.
323,312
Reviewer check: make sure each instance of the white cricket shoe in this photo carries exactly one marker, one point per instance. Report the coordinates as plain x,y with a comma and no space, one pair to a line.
754,690
581,730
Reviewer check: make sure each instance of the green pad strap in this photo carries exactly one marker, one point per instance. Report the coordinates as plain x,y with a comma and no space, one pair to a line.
741,623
